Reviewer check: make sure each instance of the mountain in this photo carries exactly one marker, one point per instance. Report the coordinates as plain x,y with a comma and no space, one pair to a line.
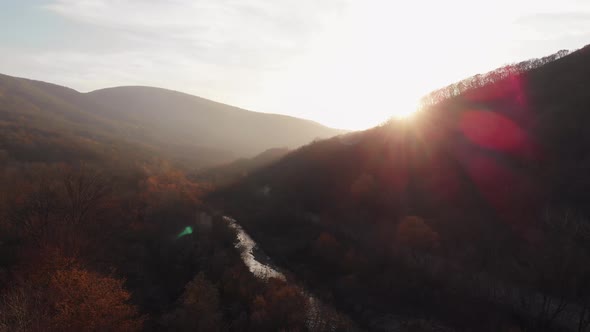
226,174
42,122
166,123
184,118
99,214
472,214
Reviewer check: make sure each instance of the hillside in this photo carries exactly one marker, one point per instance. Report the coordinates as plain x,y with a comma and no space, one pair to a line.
102,228
473,213
187,119
38,116
225,174
42,122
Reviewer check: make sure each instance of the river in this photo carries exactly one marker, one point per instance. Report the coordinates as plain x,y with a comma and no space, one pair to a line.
255,259
320,316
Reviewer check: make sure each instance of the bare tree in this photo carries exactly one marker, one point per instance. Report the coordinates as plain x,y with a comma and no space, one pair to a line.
84,189
33,216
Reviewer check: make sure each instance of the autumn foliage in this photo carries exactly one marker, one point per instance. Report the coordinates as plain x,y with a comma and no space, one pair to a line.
85,301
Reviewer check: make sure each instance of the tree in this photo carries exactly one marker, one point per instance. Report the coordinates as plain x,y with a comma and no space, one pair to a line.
21,311
280,307
327,247
72,300
198,309
85,301
415,235
84,190
31,216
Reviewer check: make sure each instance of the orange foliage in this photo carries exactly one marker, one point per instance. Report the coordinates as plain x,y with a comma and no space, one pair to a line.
281,307
86,301
414,234
199,310
171,182
64,297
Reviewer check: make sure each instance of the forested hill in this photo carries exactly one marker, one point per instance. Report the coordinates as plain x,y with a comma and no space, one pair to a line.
179,117
491,182
37,116
103,228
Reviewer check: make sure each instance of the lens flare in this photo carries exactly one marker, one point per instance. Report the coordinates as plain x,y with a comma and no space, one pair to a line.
186,231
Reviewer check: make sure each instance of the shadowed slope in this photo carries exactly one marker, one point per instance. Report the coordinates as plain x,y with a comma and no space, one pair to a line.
406,217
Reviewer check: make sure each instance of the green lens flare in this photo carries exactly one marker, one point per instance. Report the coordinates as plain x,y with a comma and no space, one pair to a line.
186,231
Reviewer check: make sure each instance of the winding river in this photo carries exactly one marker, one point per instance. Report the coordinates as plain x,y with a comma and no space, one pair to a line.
252,255
318,313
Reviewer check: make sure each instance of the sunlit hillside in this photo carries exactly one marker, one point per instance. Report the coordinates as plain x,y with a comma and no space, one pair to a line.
472,214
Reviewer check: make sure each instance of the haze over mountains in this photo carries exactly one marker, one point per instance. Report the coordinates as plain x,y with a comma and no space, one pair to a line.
178,125
100,216
471,215
133,208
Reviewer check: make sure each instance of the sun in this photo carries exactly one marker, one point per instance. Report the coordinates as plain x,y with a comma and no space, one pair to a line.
406,112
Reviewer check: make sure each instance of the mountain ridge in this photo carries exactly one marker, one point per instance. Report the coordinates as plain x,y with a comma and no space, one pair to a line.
185,127
187,94
157,88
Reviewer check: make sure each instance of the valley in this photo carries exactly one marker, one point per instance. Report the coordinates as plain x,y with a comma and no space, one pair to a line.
470,215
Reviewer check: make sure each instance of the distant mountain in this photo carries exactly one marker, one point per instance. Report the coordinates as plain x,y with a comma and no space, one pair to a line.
405,218
185,119
226,174
169,124
42,122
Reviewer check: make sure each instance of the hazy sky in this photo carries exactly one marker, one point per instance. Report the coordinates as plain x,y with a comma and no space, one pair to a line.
344,63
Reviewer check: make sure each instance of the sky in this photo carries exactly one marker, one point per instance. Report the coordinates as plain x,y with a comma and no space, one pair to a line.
348,64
